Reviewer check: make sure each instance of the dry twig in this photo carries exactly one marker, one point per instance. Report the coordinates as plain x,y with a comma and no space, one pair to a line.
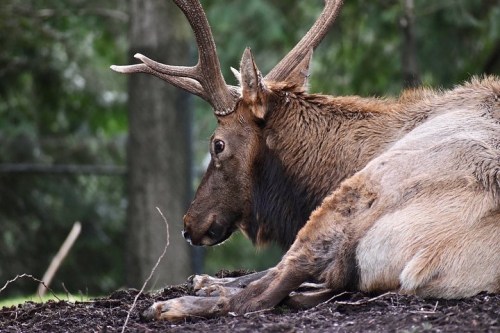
30,277
365,301
248,314
332,298
134,303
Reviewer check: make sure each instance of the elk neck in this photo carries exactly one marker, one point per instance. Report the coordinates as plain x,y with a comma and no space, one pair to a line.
312,143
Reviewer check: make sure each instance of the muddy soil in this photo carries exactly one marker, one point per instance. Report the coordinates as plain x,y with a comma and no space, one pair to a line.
353,312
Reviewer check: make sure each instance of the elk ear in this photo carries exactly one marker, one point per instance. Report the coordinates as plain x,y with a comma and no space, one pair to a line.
252,84
299,76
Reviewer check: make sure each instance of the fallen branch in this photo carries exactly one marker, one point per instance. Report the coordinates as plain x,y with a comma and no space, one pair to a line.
59,257
134,303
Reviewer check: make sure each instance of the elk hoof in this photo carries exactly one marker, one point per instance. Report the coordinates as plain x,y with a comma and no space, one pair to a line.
198,282
171,310
182,308
149,314
217,290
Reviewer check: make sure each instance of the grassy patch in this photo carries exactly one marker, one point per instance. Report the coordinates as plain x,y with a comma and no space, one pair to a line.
34,298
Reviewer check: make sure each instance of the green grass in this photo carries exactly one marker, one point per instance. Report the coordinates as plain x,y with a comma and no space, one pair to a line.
34,298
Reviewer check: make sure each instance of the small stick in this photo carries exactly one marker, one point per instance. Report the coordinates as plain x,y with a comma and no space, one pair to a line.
134,303
59,257
427,311
435,306
31,277
332,298
423,312
68,294
328,300
360,302
247,314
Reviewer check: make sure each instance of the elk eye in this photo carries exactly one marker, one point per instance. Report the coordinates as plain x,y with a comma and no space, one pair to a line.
219,146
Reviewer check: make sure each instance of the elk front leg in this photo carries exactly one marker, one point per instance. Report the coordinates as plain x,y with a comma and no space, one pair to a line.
307,260
268,291
324,250
216,290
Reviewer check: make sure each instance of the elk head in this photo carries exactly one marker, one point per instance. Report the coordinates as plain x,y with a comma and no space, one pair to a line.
223,202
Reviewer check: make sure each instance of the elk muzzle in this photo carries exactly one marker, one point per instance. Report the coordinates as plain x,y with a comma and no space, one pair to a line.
205,233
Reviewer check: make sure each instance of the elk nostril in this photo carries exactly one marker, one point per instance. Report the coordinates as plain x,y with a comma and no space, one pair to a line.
186,235
215,231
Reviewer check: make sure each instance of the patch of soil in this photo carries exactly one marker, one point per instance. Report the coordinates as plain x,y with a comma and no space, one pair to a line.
354,312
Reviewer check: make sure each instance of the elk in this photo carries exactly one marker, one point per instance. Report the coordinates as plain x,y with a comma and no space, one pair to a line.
371,194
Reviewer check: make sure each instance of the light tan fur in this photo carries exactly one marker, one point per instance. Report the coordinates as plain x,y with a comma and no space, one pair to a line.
434,225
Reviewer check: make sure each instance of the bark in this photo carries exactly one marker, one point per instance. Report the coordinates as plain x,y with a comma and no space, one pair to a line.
158,151
411,76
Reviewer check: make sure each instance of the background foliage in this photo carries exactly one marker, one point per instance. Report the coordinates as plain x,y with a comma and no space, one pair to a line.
60,104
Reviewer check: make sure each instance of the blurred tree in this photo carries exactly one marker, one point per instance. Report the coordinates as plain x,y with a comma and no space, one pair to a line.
411,75
60,104
159,160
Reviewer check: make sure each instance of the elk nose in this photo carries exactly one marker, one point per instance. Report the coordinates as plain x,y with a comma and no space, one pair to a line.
186,236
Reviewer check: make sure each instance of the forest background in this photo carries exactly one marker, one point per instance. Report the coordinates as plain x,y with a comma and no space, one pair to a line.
79,142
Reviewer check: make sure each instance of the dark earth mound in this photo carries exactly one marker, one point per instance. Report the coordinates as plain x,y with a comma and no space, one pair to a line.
352,312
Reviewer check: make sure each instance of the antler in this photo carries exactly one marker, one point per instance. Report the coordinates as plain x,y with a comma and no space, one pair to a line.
205,78
308,43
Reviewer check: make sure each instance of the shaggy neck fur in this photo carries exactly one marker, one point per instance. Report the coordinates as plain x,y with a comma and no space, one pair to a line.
312,143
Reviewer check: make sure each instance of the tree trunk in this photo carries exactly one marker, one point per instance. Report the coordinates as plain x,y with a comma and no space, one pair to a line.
411,76
158,151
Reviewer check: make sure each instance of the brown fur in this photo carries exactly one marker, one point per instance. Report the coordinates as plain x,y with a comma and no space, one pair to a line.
373,194
415,205
423,217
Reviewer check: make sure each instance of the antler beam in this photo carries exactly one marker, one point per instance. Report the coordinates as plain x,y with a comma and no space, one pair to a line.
205,78
309,42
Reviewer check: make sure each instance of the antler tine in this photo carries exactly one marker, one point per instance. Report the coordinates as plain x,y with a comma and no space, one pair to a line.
185,83
205,78
309,42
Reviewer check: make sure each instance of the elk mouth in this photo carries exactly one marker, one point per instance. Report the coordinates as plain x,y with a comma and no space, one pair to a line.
217,233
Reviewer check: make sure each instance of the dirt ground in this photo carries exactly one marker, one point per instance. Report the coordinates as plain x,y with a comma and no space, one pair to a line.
353,312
